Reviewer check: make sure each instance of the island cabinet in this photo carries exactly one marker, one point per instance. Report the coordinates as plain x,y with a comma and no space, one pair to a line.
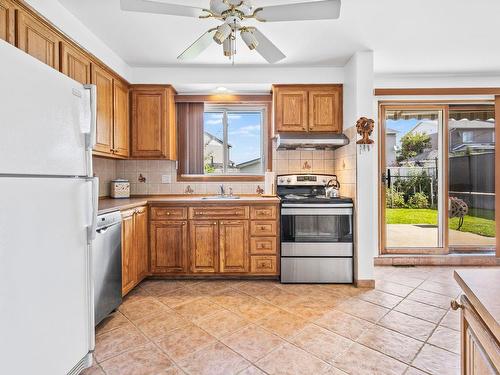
135,255
308,108
214,239
480,316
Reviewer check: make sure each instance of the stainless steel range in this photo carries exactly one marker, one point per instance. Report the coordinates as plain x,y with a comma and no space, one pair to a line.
316,231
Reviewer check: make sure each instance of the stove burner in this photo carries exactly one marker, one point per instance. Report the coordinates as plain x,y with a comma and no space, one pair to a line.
295,196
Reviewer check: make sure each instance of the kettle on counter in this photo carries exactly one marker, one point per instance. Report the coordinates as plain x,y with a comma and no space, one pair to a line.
332,188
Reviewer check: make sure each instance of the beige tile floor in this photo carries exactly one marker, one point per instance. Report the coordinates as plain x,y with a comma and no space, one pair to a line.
403,326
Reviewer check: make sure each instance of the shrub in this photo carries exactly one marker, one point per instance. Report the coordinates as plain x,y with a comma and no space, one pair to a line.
395,199
418,200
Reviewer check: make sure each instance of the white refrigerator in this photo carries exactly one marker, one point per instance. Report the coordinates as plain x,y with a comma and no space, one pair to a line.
48,206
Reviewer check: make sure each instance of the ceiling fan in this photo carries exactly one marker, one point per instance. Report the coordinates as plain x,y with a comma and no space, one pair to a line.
233,13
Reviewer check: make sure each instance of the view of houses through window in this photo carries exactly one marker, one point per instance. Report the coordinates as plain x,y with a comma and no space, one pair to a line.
233,140
415,181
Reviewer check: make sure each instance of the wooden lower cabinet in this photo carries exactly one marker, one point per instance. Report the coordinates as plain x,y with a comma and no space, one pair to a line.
222,243
204,246
480,349
233,247
7,21
135,255
169,246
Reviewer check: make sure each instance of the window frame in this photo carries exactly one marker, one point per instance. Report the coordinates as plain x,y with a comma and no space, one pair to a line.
226,110
267,134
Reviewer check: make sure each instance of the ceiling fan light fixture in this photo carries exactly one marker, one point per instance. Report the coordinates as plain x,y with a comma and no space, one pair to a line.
222,33
228,47
249,39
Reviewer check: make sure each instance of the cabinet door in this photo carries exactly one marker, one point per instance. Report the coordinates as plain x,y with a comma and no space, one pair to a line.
120,119
169,249
148,123
128,245
38,40
291,110
203,242
75,64
325,111
141,241
480,348
233,248
7,23
104,82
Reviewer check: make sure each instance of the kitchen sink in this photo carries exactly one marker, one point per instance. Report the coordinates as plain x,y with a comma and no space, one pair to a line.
221,197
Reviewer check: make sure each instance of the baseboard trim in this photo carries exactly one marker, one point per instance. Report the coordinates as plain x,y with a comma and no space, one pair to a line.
365,284
437,260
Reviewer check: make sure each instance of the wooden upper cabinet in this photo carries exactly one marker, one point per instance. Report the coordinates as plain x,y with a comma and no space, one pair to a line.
120,119
325,110
104,82
169,246
153,125
291,110
141,243
233,248
203,242
74,63
7,21
128,245
37,39
308,108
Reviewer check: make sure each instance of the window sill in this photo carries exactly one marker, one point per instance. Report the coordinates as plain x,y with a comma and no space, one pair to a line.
219,178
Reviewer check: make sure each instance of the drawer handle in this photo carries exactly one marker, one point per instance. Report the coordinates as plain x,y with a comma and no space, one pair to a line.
455,305
262,227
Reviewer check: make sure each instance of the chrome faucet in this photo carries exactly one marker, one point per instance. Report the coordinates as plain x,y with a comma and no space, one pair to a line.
222,192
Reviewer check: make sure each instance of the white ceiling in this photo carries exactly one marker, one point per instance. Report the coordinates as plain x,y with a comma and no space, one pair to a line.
407,36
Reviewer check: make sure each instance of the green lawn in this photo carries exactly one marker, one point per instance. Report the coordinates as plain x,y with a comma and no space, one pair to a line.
477,225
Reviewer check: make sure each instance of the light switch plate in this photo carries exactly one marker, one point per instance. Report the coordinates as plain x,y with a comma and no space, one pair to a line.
166,179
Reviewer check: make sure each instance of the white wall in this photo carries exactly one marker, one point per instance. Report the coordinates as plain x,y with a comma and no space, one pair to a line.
436,80
358,102
72,27
237,78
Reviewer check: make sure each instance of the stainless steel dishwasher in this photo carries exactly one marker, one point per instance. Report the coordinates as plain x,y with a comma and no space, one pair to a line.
107,265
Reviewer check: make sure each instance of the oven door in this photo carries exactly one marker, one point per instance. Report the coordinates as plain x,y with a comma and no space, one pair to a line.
316,224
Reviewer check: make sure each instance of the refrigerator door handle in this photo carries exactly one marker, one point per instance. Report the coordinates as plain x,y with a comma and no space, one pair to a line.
91,229
90,136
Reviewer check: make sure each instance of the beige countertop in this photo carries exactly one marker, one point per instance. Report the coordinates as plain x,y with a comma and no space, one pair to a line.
482,288
114,204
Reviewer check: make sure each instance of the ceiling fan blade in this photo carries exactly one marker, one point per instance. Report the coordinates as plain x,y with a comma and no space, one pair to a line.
198,46
267,49
316,10
147,6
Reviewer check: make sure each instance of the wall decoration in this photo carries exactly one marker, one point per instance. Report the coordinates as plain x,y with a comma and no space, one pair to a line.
364,127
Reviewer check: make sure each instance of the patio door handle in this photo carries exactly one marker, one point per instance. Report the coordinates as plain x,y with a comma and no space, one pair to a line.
386,178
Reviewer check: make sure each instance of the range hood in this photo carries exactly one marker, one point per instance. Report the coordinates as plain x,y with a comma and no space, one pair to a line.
311,141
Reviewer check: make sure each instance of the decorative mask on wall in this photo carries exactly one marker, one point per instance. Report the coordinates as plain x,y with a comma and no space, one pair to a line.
364,127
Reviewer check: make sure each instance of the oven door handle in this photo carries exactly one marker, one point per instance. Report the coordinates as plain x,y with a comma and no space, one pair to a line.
315,211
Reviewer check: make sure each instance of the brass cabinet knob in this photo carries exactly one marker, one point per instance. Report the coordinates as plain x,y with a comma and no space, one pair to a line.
183,223
455,305
215,223
168,213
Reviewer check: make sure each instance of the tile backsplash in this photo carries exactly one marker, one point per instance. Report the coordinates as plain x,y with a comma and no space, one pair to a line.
341,162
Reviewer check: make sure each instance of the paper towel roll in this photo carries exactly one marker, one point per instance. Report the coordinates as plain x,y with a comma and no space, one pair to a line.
269,183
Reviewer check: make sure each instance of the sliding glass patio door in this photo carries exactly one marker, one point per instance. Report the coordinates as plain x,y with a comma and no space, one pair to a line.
412,190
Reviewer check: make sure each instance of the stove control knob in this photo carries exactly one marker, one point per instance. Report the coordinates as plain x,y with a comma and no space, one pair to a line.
281,181
288,180
324,180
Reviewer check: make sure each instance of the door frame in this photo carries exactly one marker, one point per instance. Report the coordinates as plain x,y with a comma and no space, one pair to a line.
443,249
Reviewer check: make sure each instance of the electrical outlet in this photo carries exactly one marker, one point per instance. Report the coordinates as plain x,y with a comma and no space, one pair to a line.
166,179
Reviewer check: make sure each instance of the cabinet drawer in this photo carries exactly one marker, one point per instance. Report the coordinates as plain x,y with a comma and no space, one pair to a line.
263,245
263,212
263,228
263,264
168,213
213,212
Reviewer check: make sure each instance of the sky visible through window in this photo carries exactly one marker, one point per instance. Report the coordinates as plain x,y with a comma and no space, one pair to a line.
244,133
